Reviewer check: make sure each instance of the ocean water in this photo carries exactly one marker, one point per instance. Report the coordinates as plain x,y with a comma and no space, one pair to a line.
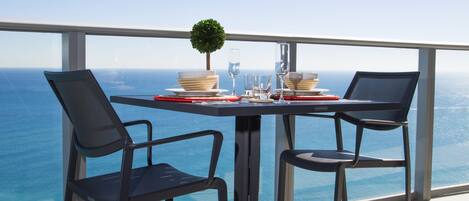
31,154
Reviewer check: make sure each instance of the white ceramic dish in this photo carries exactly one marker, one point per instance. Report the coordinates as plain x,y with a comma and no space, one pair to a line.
255,100
310,76
206,93
303,84
304,75
304,80
312,92
195,74
198,84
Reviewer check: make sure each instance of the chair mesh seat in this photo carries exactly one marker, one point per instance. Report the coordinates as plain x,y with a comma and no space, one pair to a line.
329,160
144,180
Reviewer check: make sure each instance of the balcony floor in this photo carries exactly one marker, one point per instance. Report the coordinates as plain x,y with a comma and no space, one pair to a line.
460,197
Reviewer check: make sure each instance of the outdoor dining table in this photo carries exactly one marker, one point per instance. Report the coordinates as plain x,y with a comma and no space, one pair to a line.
248,124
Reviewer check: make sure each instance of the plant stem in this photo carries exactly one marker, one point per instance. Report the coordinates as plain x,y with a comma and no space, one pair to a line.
208,60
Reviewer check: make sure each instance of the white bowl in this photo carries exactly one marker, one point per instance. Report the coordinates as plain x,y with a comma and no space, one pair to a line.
198,84
304,75
308,80
302,85
310,76
195,74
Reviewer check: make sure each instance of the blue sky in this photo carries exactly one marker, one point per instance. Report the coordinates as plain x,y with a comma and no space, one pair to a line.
430,20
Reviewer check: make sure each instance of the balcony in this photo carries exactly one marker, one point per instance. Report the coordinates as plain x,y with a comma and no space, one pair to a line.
74,54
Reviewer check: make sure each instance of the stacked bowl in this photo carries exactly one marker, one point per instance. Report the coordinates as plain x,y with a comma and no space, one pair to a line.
197,80
301,81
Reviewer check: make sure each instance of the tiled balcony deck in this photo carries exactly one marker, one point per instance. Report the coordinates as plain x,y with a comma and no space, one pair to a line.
459,197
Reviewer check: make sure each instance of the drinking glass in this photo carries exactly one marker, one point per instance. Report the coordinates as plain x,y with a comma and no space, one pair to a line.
262,86
282,66
248,85
233,67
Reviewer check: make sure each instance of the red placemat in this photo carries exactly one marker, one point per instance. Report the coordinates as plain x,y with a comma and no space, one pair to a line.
196,99
318,97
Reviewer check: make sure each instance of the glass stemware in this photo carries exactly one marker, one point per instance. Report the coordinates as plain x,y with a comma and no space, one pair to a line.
262,86
282,66
233,67
249,80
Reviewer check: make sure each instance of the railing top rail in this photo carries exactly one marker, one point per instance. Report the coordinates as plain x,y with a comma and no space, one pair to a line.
137,32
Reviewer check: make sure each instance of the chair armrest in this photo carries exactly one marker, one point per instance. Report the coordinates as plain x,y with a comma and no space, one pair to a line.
216,147
137,122
359,133
149,135
381,122
318,115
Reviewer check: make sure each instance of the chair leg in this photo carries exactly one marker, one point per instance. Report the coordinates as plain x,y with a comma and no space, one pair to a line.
281,180
339,186
68,194
408,190
220,185
72,165
338,134
344,188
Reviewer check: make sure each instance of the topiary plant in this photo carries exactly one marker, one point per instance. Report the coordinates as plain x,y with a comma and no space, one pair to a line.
207,36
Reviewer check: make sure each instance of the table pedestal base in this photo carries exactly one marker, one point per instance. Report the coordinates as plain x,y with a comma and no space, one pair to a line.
247,158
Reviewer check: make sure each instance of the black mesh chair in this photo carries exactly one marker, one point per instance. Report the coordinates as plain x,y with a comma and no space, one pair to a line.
98,131
389,87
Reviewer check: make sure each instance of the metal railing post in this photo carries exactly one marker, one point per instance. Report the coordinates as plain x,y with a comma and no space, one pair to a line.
281,141
425,115
73,58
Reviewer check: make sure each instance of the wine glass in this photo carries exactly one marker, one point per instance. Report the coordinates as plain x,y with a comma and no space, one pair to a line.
282,66
249,80
233,67
263,84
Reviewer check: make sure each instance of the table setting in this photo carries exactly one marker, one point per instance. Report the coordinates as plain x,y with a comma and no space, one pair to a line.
197,86
202,86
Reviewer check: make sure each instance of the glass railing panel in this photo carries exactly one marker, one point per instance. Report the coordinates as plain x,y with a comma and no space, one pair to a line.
451,139
30,120
175,54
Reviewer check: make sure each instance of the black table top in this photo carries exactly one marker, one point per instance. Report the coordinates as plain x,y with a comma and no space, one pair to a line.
251,109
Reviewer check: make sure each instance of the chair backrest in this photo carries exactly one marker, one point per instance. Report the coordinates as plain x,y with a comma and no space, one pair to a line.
382,86
98,130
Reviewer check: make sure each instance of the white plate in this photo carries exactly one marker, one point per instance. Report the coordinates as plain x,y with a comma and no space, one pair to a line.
254,100
207,93
312,92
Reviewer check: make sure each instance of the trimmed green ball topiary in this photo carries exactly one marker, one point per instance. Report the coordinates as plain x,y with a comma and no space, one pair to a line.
207,36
